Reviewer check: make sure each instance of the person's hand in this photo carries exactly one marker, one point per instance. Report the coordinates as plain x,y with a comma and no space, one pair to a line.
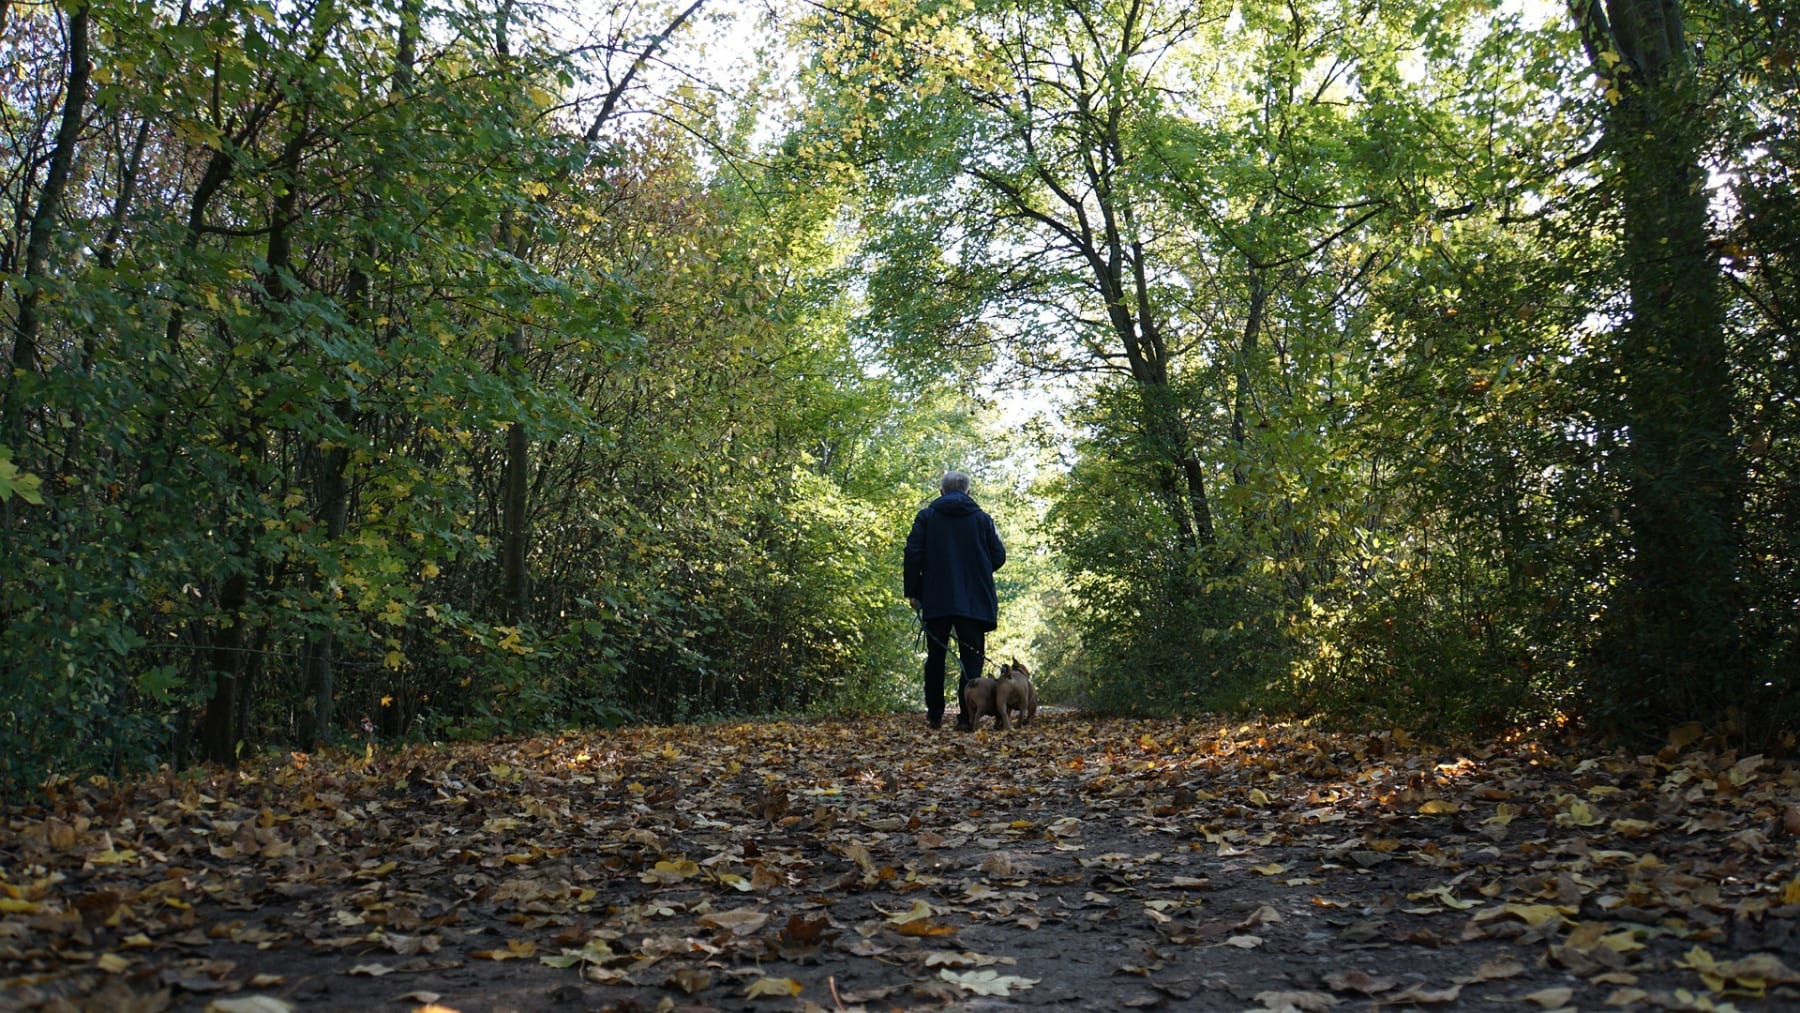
914,602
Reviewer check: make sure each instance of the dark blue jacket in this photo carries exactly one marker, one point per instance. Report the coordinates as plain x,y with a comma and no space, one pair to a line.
951,555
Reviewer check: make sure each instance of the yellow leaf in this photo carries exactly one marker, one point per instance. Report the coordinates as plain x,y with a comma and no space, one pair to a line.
671,872
1550,998
920,910
1621,942
1533,914
1578,814
1504,814
1443,896
250,1004
1272,869
515,949
1439,807
772,986
1698,959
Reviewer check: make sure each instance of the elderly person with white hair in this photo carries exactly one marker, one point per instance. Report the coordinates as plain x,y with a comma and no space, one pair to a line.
951,555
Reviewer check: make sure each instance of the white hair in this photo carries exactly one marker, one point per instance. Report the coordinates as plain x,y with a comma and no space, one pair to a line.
954,481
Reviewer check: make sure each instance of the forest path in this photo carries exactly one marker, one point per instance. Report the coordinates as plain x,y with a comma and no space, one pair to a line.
874,863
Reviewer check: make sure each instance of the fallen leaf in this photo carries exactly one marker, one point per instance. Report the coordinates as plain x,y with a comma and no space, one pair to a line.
1425,995
925,929
515,949
948,958
772,987
987,982
1498,968
739,921
919,910
1550,998
1358,981
1307,1001
249,1004
691,979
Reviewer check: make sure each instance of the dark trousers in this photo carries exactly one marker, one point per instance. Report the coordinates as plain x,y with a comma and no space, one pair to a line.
971,640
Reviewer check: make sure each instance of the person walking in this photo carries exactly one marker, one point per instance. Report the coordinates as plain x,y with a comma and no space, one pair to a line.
951,555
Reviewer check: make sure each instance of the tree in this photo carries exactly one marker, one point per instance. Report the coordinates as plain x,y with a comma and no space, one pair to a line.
1674,647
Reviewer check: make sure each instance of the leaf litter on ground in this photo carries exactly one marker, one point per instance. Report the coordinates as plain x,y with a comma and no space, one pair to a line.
874,863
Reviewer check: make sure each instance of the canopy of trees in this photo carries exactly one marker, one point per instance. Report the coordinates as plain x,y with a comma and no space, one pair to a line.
380,367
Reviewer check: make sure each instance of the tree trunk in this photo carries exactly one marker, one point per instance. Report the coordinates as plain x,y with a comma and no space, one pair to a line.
1672,643
513,543
230,689
225,658
1240,402
332,493
43,222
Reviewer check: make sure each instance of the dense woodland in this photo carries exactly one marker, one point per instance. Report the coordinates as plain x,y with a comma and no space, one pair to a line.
400,368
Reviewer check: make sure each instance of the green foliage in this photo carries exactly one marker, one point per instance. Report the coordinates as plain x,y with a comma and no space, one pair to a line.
14,482
297,312
1433,377
366,389
1159,632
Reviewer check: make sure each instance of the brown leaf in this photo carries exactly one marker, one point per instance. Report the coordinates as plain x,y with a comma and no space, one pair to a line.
1425,995
803,932
925,928
1359,981
1310,1002
738,921
690,979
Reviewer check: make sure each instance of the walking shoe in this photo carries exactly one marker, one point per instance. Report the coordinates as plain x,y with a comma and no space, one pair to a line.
963,724
935,722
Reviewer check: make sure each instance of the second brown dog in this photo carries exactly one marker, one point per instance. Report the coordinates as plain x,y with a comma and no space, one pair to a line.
980,697
1013,691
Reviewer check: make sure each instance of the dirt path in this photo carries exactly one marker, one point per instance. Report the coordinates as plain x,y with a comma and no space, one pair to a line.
875,864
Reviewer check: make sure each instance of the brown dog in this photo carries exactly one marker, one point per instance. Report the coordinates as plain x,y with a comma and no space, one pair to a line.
1013,691
979,699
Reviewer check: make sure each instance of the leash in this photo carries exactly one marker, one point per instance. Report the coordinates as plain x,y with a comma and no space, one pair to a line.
962,670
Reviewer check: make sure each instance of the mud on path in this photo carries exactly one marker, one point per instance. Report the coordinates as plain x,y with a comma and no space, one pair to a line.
877,864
